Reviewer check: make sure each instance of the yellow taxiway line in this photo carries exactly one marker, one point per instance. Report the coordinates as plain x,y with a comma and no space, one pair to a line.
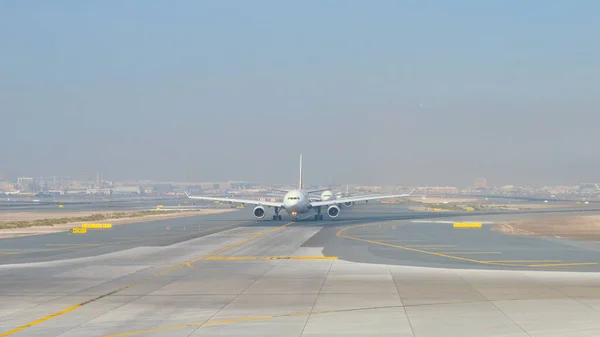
469,253
340,234
237,320
306,313
69,246
254,258
399,240
430,246
524,261
188,264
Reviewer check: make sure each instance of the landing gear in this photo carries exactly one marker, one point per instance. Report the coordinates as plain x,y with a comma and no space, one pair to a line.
318,216
276,216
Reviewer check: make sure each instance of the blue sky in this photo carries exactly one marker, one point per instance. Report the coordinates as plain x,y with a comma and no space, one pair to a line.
380,92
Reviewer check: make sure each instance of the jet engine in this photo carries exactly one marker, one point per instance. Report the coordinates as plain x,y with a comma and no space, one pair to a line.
348,203
333,211
259,212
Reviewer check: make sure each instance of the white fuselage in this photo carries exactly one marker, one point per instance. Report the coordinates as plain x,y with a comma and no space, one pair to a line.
296,202
326,195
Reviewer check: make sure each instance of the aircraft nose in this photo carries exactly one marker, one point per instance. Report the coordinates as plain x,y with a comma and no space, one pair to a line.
291,204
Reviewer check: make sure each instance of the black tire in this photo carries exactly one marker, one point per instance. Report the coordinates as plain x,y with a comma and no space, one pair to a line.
279,218
321,217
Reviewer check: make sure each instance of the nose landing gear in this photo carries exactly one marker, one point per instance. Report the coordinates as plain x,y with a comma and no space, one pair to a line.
318,216
276,216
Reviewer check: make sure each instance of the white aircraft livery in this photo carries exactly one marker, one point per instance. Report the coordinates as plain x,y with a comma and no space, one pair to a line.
296,202
329,195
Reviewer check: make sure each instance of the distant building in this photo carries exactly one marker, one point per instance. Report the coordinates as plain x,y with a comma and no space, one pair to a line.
126,190
589,188
27,184
162,188
243,185
437,190
480,183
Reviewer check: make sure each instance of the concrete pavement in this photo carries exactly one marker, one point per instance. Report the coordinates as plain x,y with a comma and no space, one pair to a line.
273,279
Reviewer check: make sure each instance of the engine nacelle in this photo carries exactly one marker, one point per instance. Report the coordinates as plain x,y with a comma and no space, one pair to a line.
349,203
259,212
333,211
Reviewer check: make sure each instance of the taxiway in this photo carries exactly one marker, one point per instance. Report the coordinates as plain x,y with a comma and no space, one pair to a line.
373,271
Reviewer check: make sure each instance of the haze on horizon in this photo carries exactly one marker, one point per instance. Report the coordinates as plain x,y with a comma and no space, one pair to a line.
386,92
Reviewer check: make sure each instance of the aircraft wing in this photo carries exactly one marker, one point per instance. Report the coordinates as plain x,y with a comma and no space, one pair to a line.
238,201
357,198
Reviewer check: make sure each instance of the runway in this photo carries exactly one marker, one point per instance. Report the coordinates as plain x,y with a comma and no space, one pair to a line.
373,271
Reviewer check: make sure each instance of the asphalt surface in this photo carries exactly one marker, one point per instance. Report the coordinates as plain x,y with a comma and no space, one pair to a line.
118,205
65,245
365,273
376,233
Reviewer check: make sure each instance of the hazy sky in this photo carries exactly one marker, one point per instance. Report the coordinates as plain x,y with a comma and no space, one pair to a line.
372,92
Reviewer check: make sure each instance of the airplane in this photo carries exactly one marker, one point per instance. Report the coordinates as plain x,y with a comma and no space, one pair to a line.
12,193
329,195
297,201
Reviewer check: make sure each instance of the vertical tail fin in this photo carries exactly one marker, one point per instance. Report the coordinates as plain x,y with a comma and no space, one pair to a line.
300,182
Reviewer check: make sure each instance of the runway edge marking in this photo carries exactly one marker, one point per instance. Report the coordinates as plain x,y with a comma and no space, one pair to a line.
188,264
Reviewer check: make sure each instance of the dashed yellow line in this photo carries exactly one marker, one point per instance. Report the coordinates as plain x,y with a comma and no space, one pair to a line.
188,264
